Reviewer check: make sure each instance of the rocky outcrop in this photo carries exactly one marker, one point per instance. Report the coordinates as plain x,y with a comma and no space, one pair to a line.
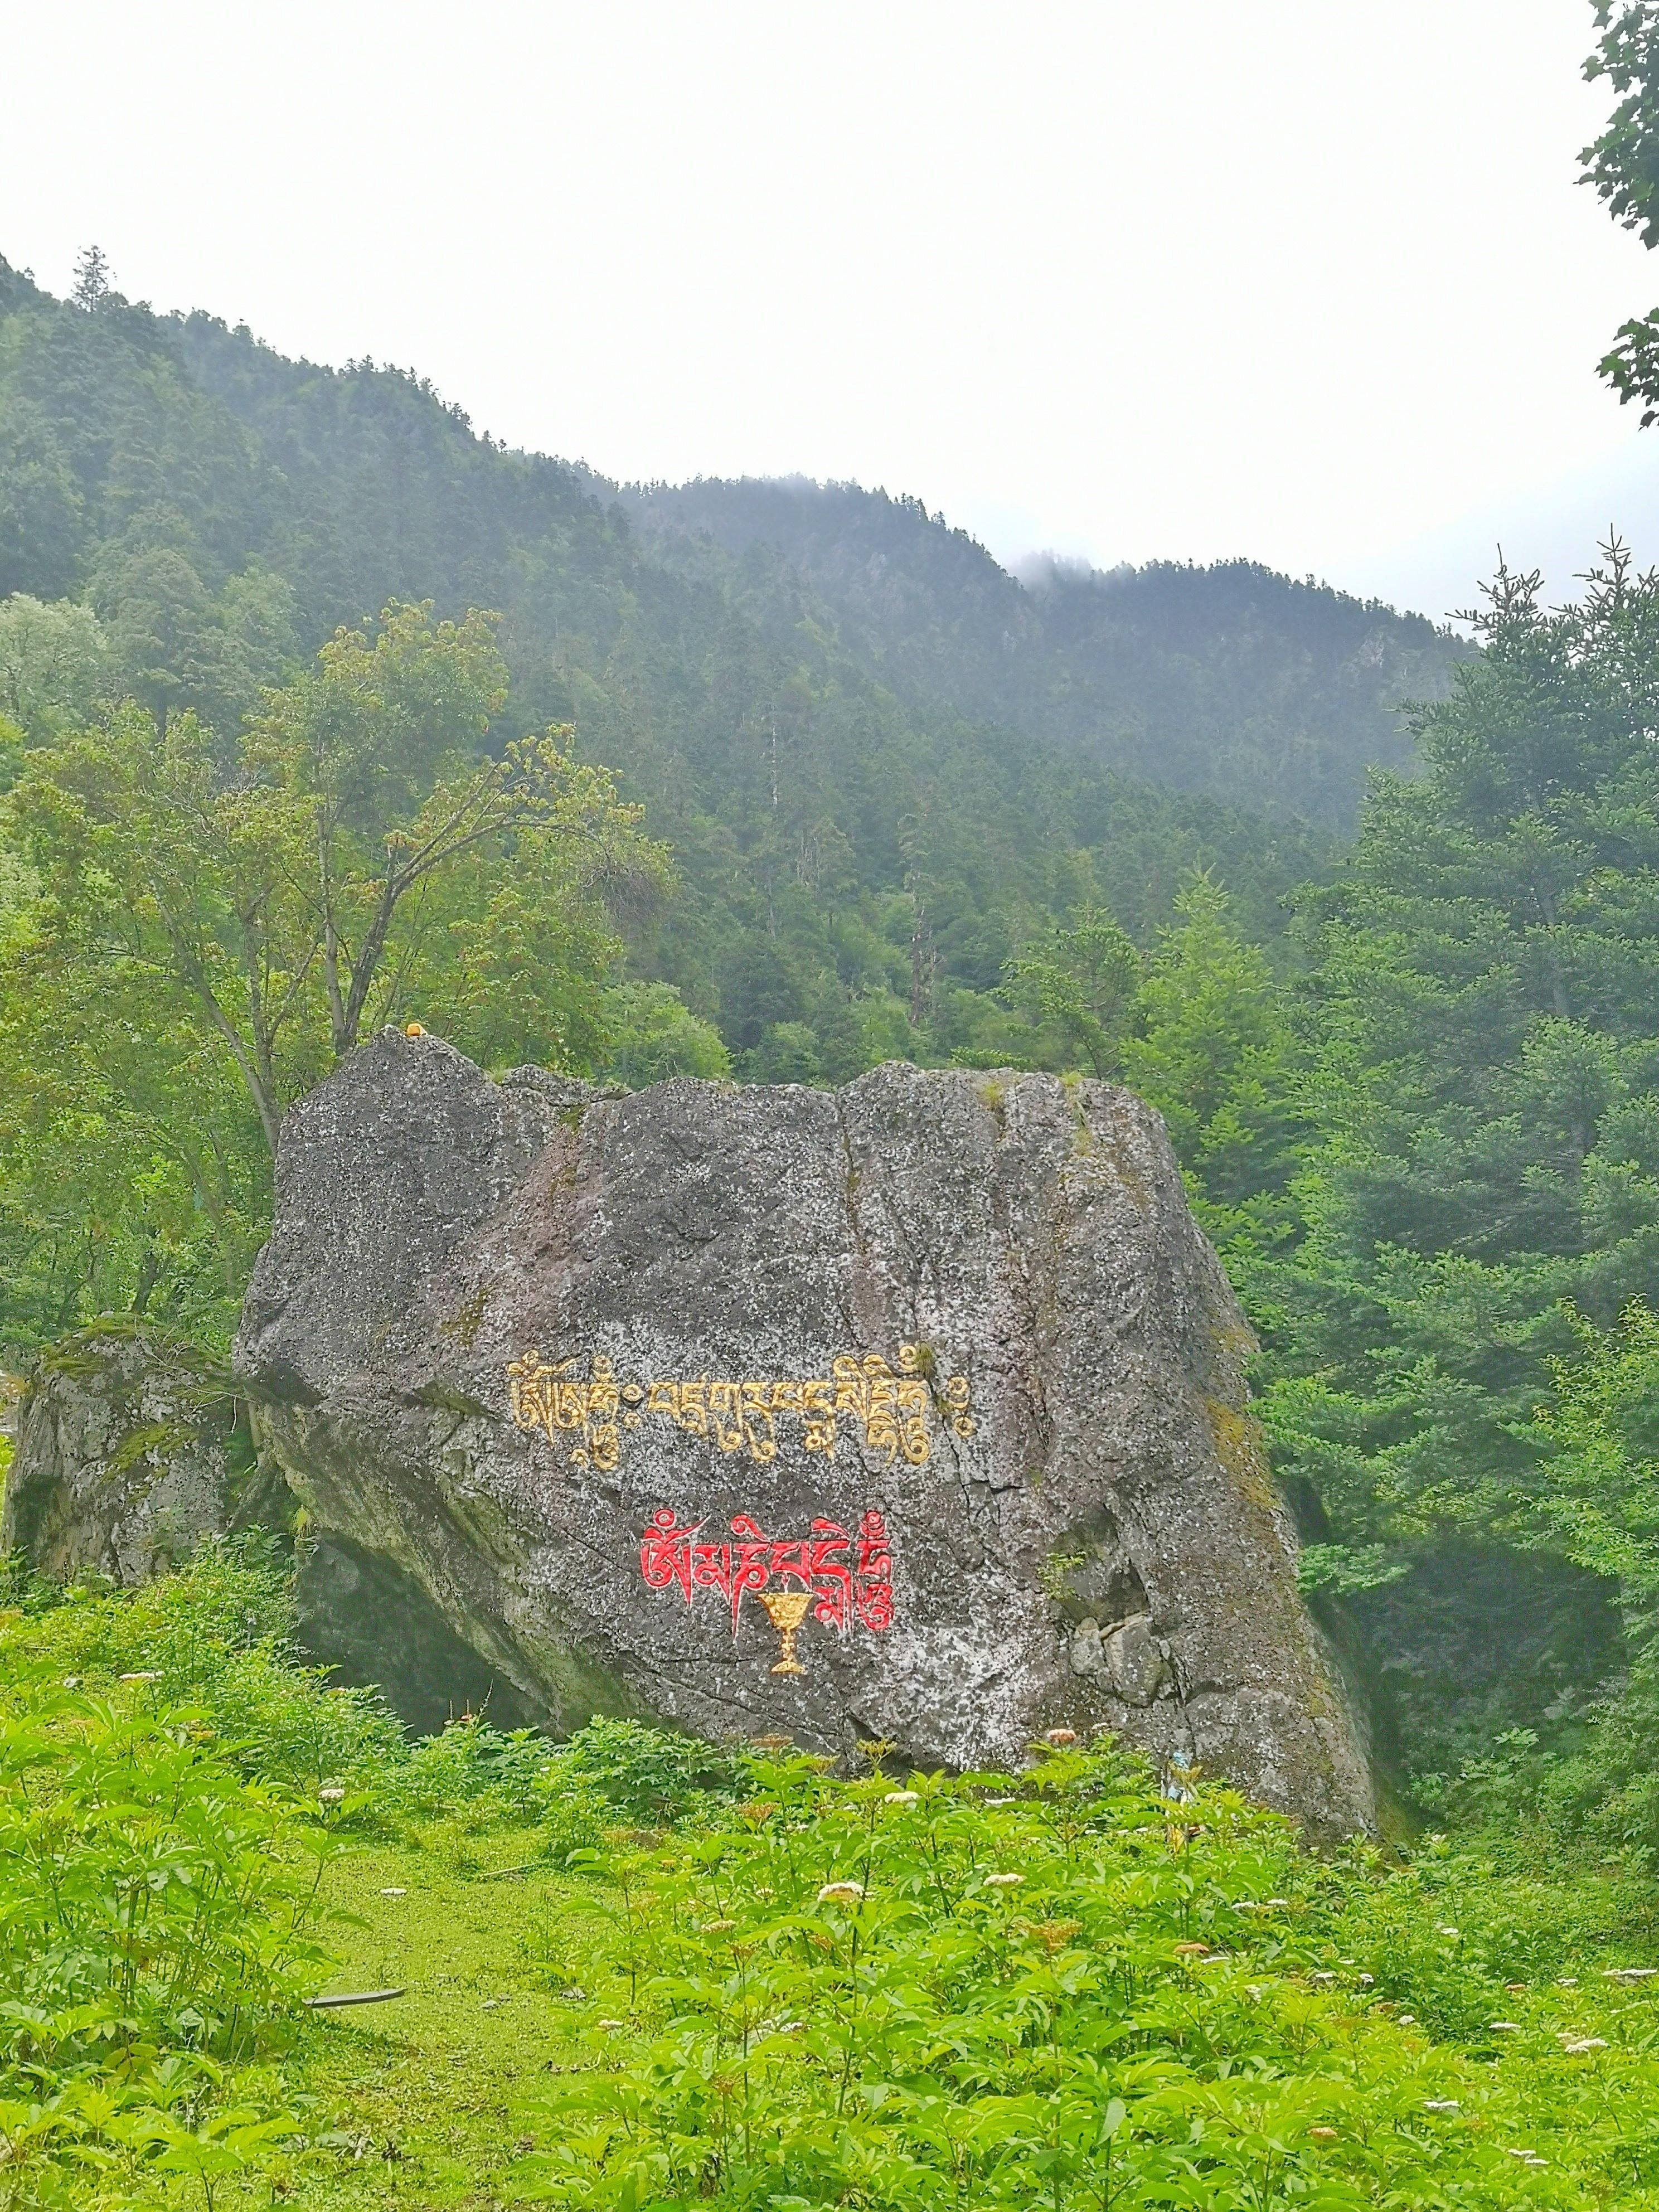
119,1467
910,1411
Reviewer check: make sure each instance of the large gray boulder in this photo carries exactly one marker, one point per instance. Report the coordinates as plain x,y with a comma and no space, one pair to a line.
910,1411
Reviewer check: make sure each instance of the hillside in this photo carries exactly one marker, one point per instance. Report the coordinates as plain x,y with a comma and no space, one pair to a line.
863,838
130,438
1230,679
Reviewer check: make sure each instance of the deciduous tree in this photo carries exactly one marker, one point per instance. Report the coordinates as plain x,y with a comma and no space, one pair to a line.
194,948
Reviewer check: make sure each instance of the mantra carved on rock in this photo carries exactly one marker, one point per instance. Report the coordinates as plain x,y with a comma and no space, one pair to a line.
843,1578
894,1411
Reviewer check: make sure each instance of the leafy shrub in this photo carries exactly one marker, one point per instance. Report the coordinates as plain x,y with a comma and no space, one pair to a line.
474,1769
653,1036
1058,1992
218,1636
1448,1938
649,1776
575,1823
156,1898
473,1777
1591,1796
156,1913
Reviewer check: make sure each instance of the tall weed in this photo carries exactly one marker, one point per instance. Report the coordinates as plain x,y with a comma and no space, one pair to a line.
1057,1993
218,1636
157,1923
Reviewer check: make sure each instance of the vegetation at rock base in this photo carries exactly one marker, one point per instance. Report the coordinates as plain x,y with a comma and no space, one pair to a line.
641,1970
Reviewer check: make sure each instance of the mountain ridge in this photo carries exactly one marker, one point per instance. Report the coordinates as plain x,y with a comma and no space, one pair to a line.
881,778
1109,661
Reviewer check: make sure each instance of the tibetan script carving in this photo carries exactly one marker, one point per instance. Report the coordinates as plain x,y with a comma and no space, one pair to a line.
849,1579
548,1398
889,1410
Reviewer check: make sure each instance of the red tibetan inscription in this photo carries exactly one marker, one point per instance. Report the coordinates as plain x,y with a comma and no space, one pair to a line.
849,1578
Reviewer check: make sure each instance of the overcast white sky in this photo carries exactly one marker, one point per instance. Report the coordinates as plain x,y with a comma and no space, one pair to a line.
1308,280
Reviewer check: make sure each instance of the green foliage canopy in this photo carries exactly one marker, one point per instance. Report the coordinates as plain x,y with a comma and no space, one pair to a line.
1487,1078
1622,166
868,821
51,666
196,944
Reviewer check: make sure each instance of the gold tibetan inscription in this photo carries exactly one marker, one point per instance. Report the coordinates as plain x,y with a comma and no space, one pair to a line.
890,1409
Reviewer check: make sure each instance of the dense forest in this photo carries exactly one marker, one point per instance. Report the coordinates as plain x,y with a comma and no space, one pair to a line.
1275,694
323,710
865,859
318,710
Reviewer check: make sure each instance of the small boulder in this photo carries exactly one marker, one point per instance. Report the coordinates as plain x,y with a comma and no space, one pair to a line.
119,1468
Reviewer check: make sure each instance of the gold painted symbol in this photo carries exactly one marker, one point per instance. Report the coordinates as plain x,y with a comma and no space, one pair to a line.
786,1610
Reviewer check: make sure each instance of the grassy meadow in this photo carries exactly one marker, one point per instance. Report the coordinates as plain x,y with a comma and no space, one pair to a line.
639,1970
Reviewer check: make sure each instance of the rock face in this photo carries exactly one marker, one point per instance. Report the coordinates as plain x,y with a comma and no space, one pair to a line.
910,1411
119,1468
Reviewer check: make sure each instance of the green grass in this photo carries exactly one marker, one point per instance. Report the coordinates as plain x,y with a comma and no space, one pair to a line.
644,1972
416,2102
998,2041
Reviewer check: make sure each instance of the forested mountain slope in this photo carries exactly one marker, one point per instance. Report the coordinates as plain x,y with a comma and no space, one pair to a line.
1230,679
860,847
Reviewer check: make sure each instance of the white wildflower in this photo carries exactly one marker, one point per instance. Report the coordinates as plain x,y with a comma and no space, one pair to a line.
841,1893
1441,2104
1581,2044
1002,1880
902,1797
